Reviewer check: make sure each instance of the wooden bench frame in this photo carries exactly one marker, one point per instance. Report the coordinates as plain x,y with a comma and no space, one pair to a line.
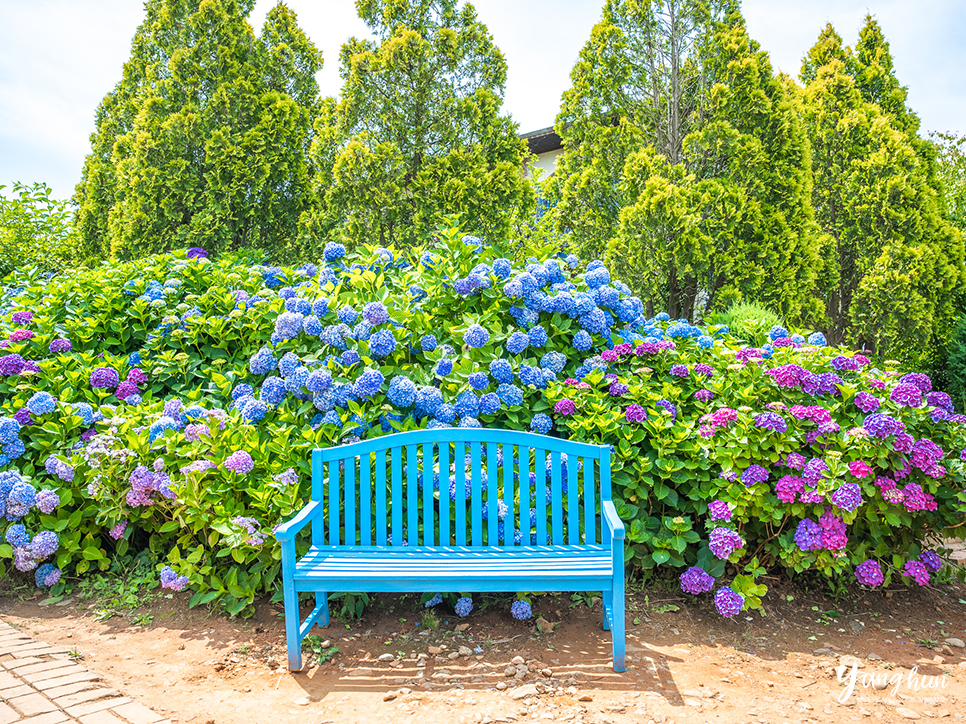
381,555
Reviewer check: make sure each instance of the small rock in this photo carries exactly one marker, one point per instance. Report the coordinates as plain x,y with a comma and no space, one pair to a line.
516,660
958,643
547,673
465,651
462,626
305,700
524,692
326,644
880,683
938,659
544,625
453,656
907,713
404,691
509,671
501,685
435,650
389,696
874,657
849,661
822,652
387,657
520,675
585,697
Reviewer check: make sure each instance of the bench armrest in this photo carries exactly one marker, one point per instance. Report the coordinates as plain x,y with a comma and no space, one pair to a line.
612,520
287,530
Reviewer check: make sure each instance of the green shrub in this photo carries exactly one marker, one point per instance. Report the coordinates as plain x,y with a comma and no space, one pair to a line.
748,321
35,230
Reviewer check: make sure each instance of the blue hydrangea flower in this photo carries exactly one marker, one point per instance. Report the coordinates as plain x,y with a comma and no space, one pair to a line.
273,390
537,336
262,362
502,268
347,315
382,344
467,404
375,313
446,413
17,535
288,324
342,394
41,403
333,251
595,321
489,404
511,395
502,371
596,277
521,610
86,413
476,336
428,401
254,410
705,342
553,361
469,422
312,326
532,376
517,343
541,423
157,428
427,343
402,391
777,332
10,428
288,363
319,381
444,367
320,307
817,339
242,390
479,380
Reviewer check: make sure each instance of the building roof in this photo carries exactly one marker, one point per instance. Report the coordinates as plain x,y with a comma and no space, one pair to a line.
542,141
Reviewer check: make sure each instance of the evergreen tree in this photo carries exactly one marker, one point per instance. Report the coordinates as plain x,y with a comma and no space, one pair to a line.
898,260
204,140
419,130
685,158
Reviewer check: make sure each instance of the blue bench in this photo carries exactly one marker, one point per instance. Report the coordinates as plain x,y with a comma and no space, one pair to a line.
376,527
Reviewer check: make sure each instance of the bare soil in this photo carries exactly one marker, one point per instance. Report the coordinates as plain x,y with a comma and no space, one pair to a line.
685,663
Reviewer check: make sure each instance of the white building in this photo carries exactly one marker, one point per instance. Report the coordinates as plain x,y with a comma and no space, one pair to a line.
546,145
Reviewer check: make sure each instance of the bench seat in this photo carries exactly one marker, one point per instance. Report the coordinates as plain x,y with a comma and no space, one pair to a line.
405,569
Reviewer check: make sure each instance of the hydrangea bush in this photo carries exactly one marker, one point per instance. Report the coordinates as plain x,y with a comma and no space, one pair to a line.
170,404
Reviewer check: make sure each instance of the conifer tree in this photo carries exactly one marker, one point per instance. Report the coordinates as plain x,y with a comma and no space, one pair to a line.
204,140
684,157
419,129
898,259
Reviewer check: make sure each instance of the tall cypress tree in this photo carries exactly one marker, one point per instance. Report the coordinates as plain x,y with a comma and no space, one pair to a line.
420,130
684,157
898,259
204,141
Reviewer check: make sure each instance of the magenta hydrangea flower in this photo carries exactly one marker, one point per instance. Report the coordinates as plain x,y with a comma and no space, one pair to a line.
866,401
723,416
796,461
869,573
724,541
788,487
925,454
917,571
915,498
918,380
907,395
728,602
136,375
705,370
703,395
860,469
696,581
240,462
834,535
719,510
21,335
565,407
635,413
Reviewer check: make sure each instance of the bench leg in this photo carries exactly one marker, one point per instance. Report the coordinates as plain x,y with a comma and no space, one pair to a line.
292,625
322,602
608,597
617,627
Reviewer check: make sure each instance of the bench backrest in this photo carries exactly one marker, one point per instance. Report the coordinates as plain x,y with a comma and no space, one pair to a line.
374,491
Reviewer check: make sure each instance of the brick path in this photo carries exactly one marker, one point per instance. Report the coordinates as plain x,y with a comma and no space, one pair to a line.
41,684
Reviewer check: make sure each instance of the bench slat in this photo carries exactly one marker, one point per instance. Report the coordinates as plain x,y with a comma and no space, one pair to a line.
365,500
381,519
350,502
556,493
476,502
524,477
444,499
508,528
318,483
334,503
459,496
429,520
590,504
492,496
573,500
412,494
540,494
397,496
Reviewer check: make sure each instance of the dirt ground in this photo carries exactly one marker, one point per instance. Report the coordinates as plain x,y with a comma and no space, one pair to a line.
685,663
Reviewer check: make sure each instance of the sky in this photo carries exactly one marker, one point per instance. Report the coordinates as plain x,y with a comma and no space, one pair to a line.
58,58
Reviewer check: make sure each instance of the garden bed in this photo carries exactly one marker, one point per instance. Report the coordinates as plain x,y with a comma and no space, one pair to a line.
685,663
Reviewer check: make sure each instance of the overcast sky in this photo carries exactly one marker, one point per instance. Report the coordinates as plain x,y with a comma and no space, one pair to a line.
59,57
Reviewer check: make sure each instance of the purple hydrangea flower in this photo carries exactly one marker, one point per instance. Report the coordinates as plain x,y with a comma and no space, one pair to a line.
931,561
808,535
847,497
754,474
44,545
635,413
771,421
240,462
104,378
719,510
905,394
521,610
696,580
866,402
464,606
170,579
728,602
869,573
917,571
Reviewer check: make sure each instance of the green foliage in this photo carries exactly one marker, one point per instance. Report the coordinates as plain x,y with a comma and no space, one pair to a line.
951,162
685,161
204,140
748,321
35,230
418,131
120,591
955,367
897,262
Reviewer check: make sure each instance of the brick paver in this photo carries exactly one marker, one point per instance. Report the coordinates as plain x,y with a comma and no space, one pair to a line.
41,684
